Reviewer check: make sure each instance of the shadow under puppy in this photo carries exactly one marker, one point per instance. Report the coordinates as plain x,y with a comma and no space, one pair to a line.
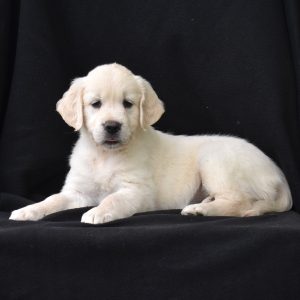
122,165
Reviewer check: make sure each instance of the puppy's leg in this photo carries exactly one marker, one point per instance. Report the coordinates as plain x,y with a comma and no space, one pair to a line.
218,206
121,204
260,207
52,204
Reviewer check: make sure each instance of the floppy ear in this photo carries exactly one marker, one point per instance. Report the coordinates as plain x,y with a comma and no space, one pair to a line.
70,105
151,107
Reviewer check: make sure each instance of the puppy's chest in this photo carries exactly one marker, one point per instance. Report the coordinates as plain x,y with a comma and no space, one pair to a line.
106,176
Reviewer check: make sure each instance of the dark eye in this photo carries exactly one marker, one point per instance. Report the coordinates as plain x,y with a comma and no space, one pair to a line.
96,104
127,104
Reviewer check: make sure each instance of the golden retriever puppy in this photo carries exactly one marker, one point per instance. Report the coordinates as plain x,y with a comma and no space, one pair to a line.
122,165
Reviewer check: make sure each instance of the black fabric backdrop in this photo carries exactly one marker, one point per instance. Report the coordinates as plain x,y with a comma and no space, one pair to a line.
230,67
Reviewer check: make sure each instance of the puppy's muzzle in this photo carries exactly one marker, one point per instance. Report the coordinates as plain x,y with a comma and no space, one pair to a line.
112,127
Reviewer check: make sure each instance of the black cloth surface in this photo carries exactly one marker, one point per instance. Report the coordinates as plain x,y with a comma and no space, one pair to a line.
157,255
229,67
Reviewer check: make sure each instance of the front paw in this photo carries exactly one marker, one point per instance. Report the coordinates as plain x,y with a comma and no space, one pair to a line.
194,209
27,213
98,215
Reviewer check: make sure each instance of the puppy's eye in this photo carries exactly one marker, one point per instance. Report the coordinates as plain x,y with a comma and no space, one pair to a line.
96,104
127,104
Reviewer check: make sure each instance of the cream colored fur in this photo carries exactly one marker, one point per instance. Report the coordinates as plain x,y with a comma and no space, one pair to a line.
151,170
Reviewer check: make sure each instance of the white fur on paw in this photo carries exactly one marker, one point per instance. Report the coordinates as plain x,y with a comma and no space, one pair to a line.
193,209
26,214
96,216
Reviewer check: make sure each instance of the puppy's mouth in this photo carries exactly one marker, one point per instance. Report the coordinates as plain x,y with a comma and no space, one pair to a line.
112,143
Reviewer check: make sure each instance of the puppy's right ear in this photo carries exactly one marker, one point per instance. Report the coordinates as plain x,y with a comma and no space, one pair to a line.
70,105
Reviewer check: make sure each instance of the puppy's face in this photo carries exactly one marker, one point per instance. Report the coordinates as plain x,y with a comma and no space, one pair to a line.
112,104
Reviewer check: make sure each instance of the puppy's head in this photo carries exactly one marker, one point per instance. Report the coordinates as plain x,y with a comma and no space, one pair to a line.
112,104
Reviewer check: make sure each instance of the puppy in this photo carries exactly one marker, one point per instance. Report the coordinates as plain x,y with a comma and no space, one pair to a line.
122,165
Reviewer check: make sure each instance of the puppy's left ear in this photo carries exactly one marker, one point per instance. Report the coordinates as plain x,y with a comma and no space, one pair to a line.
151,107
70,105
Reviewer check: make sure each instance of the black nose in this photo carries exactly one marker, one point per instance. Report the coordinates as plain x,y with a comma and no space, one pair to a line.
112,127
